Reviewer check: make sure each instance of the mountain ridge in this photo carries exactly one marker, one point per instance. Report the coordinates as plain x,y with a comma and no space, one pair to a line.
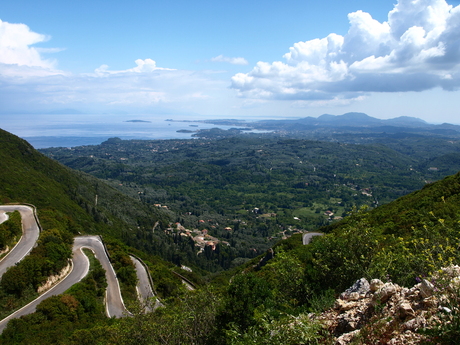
352,119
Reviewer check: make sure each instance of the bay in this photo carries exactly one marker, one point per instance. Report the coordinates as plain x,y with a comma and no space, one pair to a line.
43,131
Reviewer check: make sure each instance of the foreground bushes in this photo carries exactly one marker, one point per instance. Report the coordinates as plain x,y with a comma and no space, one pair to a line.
48,258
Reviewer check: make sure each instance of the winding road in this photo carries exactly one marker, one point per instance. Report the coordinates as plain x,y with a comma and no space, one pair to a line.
30,233
306,238
144,288
80,267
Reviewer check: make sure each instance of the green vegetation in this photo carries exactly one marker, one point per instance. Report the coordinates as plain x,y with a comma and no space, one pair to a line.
67,200
124,269
48,258
68,203
10,231
263,188
19,284
412,236
59,317
446,329
262,301
242,191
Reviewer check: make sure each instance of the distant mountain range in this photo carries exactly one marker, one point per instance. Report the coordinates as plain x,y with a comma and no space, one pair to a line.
354,120
349,122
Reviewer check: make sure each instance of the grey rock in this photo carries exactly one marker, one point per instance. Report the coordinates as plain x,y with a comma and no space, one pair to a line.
361,286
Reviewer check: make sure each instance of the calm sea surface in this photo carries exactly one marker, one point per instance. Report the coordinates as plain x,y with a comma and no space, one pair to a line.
43,131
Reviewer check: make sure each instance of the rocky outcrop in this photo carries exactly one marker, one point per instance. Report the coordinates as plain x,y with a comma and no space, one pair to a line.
54,279
386,313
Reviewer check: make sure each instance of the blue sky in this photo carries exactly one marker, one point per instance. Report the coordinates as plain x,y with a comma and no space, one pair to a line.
215,59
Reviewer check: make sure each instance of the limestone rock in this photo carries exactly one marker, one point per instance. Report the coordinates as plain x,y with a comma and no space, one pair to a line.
385,292
342,306
452,271
430,302
388,313
405,310
426,288
375,285
354,296
347,338
415,323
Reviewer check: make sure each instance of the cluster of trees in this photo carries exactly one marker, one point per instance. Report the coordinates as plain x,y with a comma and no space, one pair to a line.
410,238
69,203
124,268
20,282
11,230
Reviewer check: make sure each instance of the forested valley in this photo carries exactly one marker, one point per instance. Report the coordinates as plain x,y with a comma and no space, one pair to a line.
249,191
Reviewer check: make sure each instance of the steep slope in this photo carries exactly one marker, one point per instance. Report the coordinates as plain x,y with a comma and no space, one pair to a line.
409,238
26,176
72,203
404,242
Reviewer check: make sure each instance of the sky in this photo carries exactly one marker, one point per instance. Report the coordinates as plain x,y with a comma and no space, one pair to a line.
231,59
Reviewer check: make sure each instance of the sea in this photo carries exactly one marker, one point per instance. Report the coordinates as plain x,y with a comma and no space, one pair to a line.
50,130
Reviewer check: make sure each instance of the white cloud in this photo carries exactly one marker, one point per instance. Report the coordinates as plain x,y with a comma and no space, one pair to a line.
143,66
418,48
16,42
232,60
30,82
141,87
18,57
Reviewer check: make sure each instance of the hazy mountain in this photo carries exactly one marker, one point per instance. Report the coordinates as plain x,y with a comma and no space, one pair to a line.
353,121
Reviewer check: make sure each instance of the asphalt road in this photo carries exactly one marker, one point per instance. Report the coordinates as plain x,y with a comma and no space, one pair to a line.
113,300
306,238
30,233
80,267
144,289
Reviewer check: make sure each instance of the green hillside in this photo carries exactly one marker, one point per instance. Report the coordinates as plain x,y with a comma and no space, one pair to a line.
26,176
263,188
71,203
402,242
411,237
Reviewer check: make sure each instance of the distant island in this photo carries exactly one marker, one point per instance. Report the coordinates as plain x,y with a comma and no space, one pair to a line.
185,131
139,121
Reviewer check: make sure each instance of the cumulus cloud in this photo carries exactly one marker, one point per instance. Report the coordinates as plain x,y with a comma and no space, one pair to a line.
17,54
143,66
30,82
418,48
232,60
